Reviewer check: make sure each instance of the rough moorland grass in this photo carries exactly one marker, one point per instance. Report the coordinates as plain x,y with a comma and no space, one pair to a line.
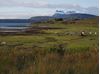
25,60
43,55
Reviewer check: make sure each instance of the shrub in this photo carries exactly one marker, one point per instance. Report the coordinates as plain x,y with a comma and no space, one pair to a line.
58,49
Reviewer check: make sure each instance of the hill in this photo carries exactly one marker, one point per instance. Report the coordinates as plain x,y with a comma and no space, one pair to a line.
40,18
73,16
62,16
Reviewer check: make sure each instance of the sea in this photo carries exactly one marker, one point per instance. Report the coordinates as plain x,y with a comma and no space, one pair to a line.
14,25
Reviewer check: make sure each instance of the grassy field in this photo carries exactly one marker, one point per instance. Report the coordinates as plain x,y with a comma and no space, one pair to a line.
52,51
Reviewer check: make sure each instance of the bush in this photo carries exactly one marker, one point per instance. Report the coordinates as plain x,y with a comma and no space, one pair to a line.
58,49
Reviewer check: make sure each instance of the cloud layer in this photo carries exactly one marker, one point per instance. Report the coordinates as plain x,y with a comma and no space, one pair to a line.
40,4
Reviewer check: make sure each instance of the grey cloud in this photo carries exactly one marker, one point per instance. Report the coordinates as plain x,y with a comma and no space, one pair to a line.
45,4
92,10
88,10
36,4
22,3
63,6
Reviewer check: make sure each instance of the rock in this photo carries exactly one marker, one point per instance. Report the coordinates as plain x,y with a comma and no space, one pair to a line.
95,33
83,33
3,43
90,33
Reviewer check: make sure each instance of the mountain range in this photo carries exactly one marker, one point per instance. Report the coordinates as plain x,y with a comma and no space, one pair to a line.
71,15
61,15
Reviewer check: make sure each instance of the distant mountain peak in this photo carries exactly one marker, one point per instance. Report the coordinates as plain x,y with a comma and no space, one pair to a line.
65,12
60,12
71,12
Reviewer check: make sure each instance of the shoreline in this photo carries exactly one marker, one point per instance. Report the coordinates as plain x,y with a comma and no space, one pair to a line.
25,30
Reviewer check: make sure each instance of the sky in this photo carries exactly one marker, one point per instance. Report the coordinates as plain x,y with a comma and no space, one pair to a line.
23,9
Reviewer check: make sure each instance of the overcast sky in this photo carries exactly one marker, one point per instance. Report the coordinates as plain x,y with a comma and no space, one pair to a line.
29,8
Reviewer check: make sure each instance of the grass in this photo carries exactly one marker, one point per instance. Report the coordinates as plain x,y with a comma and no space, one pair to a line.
53,52
37,61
